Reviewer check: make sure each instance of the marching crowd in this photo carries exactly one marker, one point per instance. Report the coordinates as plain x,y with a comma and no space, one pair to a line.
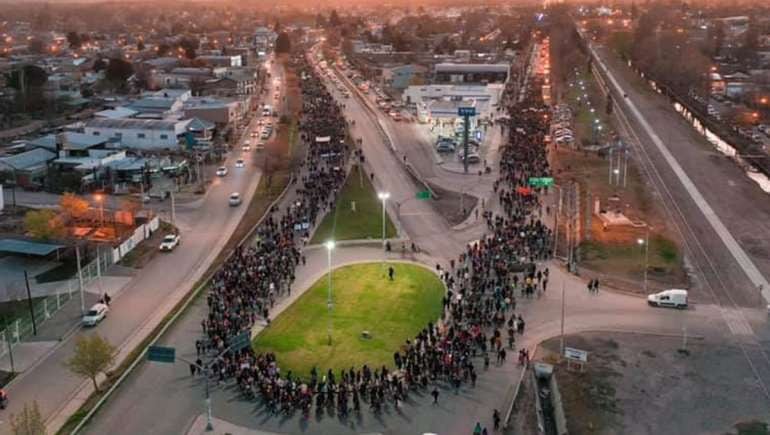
479,321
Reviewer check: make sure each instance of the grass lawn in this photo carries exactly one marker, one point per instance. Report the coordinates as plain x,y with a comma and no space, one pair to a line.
364,299
343,223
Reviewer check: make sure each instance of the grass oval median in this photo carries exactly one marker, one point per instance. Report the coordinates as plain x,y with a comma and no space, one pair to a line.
364,299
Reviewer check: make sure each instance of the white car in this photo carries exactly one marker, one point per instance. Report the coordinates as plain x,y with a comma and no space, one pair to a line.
221,171
239,163
674,298
235,199
96,314
170,242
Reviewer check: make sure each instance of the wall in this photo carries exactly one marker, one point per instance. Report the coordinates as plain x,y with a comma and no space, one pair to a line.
141,233
130,138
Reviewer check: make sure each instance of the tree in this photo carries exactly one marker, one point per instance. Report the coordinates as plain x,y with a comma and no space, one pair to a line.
189,45
93,355
36,46
34,77
29,422
73,206
74,40
334,19
283,43
118,71
43,224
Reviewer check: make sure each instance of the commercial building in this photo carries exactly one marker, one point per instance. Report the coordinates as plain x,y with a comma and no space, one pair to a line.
470,73
144,134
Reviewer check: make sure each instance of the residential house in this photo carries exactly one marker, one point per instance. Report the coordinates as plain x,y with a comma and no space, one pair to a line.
27,169
214,110
221,60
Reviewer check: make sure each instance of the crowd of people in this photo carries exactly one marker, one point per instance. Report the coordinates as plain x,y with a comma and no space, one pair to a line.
479,321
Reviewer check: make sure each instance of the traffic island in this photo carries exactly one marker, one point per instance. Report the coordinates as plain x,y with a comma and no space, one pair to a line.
357,214
371,317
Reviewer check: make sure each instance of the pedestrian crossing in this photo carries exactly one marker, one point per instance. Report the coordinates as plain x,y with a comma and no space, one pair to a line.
736,321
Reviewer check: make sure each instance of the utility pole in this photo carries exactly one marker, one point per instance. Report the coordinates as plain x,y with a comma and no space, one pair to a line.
562,318
8,343
80,280
29,304
173,209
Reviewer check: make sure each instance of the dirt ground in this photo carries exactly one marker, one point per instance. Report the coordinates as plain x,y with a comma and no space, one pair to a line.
613,254
644,384
451,204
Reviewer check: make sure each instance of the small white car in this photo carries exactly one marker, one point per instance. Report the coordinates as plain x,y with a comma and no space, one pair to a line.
674,298
221,171
239,163
170,242
235,199
96,314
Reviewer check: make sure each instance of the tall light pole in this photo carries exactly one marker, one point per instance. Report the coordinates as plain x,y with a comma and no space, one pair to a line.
646,243
383,197
100,200
329,248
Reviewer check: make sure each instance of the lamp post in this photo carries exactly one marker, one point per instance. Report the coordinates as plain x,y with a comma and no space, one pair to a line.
329,248
100,200
383,197
646,243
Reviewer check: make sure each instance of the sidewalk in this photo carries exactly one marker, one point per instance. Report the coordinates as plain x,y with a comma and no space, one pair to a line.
57,328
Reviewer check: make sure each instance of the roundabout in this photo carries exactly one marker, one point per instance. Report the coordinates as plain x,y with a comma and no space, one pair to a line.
372,316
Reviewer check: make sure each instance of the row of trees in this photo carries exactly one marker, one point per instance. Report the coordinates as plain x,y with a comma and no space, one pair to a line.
47,224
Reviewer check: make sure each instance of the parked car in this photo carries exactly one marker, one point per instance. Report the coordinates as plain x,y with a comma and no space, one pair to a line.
246,146
235,199
96,314
260,146
473,157
445,147
221,171
170,242
674,298
239,163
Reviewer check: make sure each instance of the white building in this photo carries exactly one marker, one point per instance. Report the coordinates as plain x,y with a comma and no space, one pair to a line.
146,134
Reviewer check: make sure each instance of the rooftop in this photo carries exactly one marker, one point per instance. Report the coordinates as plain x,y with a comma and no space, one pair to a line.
136,124
27,247
472,67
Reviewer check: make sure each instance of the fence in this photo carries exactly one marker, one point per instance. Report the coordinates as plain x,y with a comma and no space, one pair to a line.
44,307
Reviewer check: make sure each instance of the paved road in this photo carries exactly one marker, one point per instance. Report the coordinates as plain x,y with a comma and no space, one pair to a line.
168,277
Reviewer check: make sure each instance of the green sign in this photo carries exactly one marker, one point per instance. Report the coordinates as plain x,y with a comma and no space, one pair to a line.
540,181
161,354
423,195
240,341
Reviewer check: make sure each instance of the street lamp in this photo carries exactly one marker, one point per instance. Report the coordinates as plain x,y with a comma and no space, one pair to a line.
646,243
383,197
329,248
100,200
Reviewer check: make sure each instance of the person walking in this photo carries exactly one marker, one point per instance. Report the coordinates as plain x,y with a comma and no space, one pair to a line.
477,429
192,369
434,393
391,272
496,419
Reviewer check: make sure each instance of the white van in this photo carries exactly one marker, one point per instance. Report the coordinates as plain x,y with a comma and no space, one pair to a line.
674,298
